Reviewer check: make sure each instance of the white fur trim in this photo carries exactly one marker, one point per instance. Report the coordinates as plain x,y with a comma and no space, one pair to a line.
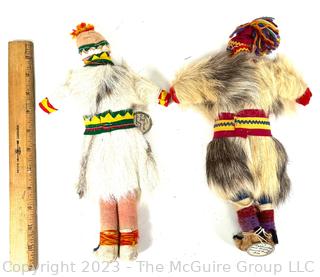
128,252
107,253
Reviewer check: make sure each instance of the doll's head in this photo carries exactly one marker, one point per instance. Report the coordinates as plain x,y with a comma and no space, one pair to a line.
259,36
280,86
93,47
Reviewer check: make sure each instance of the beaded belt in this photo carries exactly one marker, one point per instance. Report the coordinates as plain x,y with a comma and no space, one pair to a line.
242,124
109,121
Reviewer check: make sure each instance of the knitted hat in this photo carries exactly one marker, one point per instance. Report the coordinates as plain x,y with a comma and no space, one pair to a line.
260,36
93,47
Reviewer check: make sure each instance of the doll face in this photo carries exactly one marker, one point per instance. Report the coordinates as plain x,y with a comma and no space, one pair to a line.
89,37
92,43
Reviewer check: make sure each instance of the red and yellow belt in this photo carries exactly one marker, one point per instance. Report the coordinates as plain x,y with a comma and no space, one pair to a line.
251,122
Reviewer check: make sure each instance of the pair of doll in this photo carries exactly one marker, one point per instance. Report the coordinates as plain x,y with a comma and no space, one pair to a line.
235,88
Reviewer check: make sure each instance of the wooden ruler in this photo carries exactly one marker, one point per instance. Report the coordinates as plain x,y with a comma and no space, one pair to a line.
22,151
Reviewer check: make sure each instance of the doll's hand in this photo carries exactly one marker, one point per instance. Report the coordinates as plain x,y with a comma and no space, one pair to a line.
46,106
164,98
173,95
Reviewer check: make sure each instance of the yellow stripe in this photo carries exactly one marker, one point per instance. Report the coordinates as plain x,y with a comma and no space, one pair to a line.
224,121
224,128
162,102
163,95
107,119
253,126
253,118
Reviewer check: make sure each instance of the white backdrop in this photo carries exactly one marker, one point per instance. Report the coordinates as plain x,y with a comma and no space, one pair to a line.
182,222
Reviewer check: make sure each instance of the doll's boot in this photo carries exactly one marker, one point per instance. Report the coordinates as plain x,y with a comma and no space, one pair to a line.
108,248
128,244
245,240
266,219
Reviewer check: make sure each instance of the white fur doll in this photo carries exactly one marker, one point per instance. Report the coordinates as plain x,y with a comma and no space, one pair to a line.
117,160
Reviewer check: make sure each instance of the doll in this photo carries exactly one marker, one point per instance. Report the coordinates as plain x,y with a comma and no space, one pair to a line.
116,161
239,89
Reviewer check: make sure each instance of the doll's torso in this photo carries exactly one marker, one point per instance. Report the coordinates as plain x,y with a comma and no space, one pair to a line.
114,161
96,90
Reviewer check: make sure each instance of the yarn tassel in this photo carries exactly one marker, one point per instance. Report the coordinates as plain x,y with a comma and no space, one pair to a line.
260,36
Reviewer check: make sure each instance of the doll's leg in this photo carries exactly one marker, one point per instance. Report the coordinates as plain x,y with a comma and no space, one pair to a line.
246,212
266,217
109,235
128,226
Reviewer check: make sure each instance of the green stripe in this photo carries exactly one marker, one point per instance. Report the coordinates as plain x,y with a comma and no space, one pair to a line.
224,124
99,62
108,124
97,132
92,45
252,122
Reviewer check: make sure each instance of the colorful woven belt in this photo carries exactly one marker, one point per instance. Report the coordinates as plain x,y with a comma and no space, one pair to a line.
109,121
242,124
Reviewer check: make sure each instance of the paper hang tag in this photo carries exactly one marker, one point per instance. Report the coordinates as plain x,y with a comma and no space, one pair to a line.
143,121
260,249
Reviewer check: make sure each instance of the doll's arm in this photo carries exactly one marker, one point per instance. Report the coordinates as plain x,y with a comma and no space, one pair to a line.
290,83
55,101
193,86
281,82
150,93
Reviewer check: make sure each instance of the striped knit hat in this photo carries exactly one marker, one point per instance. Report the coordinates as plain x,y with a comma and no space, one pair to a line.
259,36
93,47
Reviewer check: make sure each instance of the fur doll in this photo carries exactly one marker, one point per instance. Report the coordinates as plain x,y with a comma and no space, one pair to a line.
116,160
239,89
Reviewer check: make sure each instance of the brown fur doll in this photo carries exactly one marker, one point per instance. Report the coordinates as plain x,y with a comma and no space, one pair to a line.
238,89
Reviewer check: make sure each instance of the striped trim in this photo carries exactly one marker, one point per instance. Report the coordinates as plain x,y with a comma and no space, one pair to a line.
243,124
107,129
164,98
109,237
90,46
129,238
109,121
46,106
98,59
252,123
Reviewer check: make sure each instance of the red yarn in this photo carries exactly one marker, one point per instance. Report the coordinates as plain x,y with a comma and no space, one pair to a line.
248,211
305,98
129,238
266,216
174,95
